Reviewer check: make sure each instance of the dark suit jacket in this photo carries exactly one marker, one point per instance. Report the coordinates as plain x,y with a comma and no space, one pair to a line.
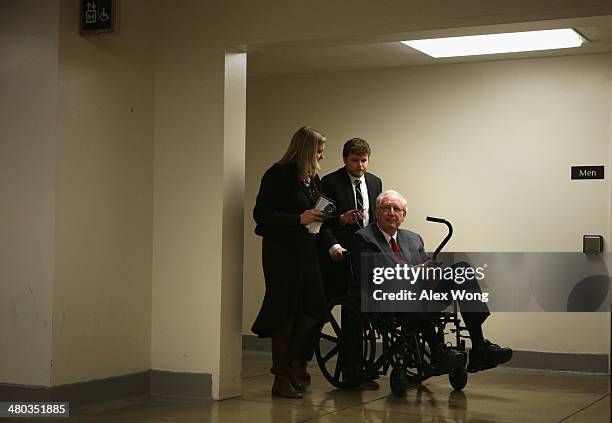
370,249
280,201
289,256
370,240
337,187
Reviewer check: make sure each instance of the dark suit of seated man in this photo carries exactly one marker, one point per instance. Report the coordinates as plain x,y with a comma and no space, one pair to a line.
402,246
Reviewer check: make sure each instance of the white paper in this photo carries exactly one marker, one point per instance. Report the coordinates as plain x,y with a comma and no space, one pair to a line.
314,227
323,205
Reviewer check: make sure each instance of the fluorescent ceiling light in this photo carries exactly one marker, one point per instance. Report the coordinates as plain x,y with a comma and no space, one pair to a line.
498,43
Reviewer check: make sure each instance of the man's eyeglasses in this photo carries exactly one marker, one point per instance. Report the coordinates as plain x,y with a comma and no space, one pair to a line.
388,208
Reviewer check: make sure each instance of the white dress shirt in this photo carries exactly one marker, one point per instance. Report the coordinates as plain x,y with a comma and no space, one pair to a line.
387,236
366,204
364,194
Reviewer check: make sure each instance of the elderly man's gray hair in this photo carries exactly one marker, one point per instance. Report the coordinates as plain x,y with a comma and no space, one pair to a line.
390,192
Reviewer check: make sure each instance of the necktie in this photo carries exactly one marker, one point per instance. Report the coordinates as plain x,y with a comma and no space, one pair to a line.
396,250
359,200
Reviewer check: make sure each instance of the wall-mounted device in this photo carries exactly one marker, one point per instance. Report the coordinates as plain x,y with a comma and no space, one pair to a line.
592,244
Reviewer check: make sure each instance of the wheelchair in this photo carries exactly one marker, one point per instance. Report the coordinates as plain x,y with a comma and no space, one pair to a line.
346,348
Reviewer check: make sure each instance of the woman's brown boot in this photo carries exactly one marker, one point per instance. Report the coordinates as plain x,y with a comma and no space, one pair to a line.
297,383
298,370
283,388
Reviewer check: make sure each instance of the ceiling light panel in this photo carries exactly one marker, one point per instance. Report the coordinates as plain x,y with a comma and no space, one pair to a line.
510,42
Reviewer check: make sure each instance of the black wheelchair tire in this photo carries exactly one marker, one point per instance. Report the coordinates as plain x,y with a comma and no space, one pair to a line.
458,378
398,382
332,371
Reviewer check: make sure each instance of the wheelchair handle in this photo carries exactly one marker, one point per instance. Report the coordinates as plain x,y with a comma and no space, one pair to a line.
445,240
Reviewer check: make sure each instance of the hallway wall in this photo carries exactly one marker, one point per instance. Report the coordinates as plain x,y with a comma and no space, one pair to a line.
28,107
104,227
114,146
487,145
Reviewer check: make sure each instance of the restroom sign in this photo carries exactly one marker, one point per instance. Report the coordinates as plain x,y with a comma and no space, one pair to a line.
587,172
97,16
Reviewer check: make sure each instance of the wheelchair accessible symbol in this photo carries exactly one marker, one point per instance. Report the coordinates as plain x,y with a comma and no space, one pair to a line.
103,15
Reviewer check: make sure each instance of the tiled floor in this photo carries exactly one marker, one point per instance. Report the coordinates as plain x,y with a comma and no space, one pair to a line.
499,395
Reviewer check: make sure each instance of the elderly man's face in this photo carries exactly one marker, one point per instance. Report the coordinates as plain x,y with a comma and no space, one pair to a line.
390,214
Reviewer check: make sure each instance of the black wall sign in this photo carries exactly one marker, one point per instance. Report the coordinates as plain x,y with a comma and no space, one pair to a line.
587,172
97,16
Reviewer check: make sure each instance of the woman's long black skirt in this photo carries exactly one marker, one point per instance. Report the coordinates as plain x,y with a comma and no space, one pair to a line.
293,286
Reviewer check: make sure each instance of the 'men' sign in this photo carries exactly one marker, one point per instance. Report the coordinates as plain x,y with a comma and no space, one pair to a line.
587,172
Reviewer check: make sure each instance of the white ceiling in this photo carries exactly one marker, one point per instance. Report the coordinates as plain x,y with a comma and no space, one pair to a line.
342,55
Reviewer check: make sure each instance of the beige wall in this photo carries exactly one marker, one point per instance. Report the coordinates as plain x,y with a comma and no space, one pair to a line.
28,93
102,303
189,136
233,225
487,145
188,206
139,259
199,186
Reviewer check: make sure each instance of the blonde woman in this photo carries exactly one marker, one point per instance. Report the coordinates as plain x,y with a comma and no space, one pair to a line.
294,301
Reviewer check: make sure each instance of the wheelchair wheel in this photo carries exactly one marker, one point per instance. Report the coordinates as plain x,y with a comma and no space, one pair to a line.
458,378
345,348
398,382
407,351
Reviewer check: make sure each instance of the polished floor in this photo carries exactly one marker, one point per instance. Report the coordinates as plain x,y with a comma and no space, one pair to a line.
498,395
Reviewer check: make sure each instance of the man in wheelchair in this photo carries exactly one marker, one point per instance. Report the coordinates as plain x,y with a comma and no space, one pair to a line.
385,239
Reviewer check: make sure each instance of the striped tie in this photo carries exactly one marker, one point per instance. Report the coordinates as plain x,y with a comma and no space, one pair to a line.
359,200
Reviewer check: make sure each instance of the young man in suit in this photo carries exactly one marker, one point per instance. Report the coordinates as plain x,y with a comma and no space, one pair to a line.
395,245
353,190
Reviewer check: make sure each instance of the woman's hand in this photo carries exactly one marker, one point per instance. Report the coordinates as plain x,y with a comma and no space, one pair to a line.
310,216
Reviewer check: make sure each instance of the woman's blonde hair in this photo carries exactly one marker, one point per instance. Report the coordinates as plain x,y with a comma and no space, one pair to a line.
303,150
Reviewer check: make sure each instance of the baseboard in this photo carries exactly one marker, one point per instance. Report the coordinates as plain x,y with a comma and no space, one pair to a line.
163,384
570,362
254,343
26,393
183,386
536,360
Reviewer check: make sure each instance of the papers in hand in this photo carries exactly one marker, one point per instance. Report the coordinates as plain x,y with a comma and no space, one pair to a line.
324,205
